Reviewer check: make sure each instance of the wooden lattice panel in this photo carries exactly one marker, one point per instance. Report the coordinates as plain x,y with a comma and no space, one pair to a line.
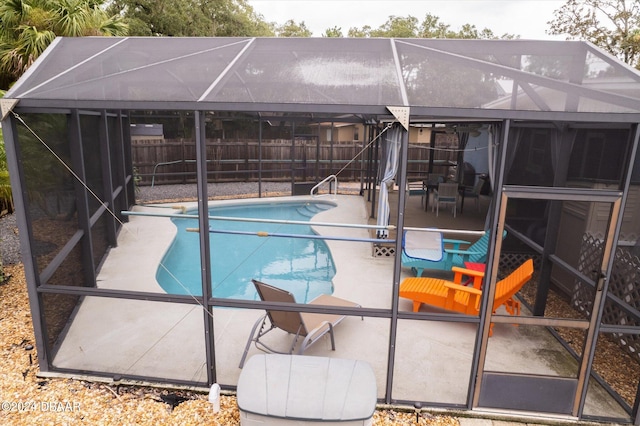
509,262
383,250
623,284
588,262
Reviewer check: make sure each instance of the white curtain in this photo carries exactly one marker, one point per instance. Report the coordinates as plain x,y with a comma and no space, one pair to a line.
389,167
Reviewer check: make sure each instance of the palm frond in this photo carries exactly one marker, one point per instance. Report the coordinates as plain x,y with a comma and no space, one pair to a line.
33,42
16,57
11,63
99,23
72,17
113,26
13,12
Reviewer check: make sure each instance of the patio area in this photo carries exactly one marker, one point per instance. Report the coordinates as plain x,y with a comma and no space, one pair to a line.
136,338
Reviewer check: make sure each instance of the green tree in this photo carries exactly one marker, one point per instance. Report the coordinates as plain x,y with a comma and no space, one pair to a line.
333,32
613,25
191,18
398,27
359,32
235,18
430,27
159,17
27,27
293,29
6,197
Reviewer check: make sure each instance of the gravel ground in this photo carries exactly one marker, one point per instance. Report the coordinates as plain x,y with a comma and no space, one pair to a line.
9,240
148,194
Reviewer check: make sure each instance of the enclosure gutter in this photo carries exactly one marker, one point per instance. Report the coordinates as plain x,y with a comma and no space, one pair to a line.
379,111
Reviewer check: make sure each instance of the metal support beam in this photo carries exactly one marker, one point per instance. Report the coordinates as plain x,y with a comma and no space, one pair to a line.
20,202
82,195
125,131
260,158
564,138
495,245
106,141
397,266
205,247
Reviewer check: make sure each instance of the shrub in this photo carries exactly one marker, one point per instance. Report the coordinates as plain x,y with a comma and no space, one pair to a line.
6,197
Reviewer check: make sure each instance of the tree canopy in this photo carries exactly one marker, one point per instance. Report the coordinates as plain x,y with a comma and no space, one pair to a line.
613,25
430,27
293,29
27,27
191,18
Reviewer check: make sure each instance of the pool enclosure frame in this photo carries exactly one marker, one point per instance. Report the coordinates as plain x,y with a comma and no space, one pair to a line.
94,83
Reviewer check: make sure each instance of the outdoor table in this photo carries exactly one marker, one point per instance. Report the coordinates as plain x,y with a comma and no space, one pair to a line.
278,389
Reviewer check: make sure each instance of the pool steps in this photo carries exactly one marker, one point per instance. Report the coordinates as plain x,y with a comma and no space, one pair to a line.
310,210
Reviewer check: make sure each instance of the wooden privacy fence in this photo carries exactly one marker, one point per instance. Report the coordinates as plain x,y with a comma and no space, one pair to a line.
165,161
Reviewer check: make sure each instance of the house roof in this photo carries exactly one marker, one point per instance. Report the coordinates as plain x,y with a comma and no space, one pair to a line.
331,76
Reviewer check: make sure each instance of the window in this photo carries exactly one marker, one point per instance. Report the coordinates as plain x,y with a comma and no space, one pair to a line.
599,155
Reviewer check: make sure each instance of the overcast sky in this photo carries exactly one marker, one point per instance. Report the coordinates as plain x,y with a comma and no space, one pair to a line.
527,18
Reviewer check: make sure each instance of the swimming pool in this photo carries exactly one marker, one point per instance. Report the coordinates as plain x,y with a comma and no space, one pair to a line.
300,265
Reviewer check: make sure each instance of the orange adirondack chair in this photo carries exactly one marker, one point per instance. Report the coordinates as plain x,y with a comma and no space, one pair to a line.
453,296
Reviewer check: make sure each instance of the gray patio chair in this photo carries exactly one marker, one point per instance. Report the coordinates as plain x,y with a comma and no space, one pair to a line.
474,192
447,193
311,326
417,188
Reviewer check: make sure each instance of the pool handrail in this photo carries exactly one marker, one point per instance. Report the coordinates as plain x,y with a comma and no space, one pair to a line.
323,181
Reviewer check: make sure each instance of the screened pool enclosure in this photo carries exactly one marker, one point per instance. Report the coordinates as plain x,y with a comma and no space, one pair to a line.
557,123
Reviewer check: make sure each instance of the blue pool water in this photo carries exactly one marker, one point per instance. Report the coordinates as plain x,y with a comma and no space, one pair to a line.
300,265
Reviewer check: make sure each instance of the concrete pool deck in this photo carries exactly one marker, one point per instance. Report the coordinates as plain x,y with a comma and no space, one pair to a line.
432,359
